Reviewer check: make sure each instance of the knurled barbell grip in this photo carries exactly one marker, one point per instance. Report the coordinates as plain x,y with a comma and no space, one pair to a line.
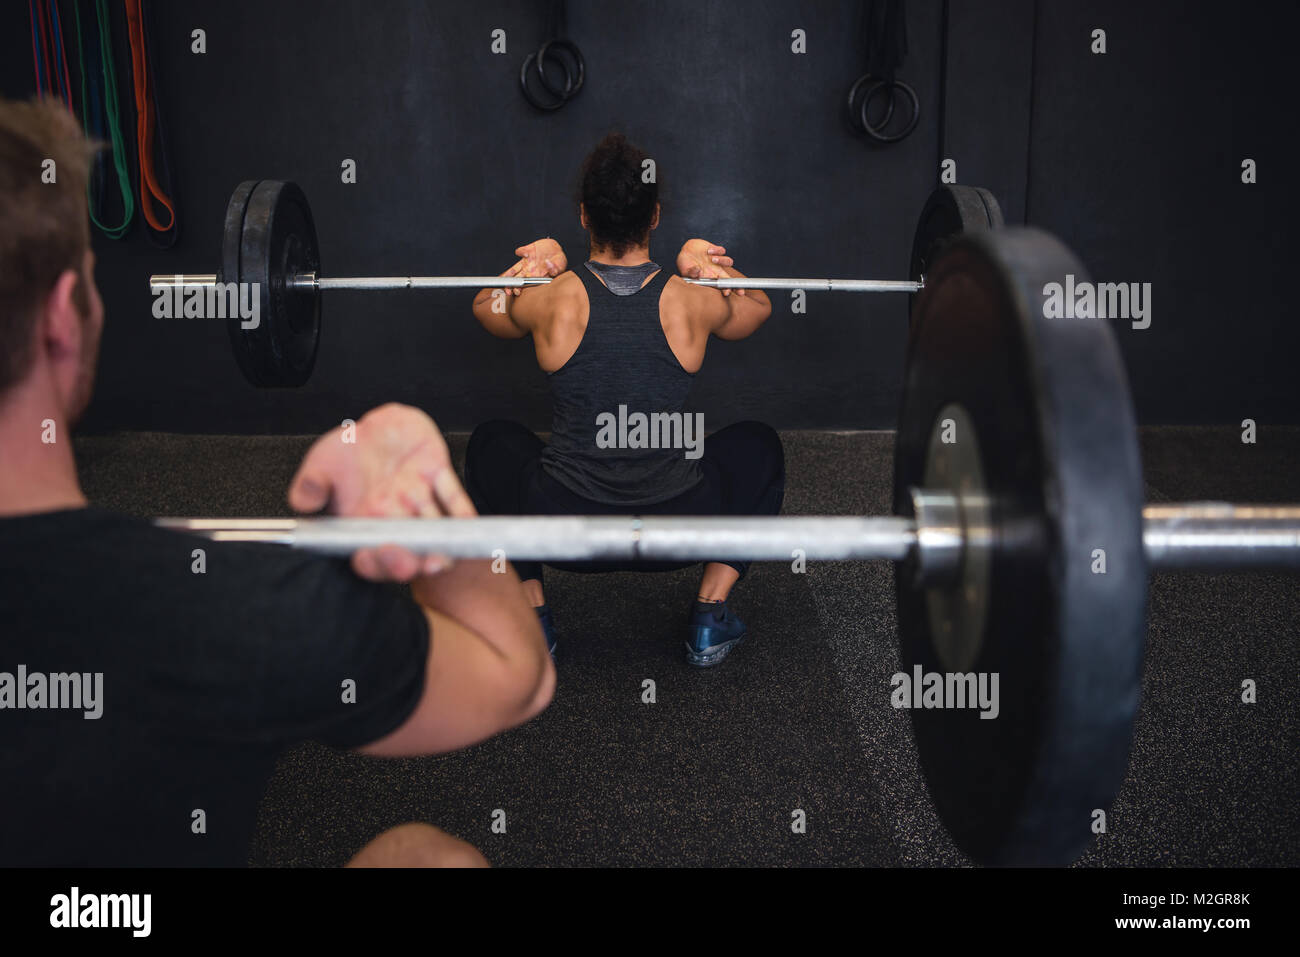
576,537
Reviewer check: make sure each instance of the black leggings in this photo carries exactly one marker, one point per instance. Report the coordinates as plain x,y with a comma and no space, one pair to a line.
744,474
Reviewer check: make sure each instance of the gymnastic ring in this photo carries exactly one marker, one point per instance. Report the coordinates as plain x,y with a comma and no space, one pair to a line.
863,110
876,132
528,94
855,115
571,85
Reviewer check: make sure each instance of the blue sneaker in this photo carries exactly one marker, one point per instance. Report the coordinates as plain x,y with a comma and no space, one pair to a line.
715,630
548,628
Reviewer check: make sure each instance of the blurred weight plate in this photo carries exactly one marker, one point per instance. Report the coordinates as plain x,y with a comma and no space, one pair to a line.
1030,419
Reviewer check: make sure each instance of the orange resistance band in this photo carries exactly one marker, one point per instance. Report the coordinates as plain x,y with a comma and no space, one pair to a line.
145,119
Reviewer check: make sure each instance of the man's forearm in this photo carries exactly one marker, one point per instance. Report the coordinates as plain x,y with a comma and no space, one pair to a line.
490,604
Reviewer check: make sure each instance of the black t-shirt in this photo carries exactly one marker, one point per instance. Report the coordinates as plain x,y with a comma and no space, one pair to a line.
209,671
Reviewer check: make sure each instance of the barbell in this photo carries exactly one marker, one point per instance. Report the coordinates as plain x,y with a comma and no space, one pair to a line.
1020,539
1197,536
269,242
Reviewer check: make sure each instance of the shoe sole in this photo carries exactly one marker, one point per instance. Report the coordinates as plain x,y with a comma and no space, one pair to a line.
712,655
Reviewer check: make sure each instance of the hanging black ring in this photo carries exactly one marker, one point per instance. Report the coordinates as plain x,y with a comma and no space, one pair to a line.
877,132
570,51
855,108
524,72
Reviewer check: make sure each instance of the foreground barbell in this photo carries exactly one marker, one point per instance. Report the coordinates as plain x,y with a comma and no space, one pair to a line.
269,240
1021,542
1192,536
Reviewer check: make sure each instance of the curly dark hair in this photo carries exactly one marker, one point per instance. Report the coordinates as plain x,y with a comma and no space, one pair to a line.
620,205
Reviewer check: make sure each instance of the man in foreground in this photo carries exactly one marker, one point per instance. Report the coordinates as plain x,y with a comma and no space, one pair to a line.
149,679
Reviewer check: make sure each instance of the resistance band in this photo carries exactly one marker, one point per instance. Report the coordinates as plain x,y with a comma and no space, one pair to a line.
112,114
150,191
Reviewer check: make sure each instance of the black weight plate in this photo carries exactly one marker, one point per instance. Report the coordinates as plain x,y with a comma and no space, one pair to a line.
1049,406
277,243
232,236
951,210
992,207
233,231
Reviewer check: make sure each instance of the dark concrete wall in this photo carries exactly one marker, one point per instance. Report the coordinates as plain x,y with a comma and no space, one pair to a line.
1132,157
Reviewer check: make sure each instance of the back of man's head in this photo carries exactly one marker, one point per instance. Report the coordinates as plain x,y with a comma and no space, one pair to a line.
44,162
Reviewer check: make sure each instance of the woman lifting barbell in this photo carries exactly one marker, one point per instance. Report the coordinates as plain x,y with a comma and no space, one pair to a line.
621,341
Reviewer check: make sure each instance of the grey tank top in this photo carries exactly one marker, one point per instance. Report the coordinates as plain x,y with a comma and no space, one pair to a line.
620,433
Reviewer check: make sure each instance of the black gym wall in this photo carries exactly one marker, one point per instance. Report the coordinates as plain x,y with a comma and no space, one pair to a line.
1132,157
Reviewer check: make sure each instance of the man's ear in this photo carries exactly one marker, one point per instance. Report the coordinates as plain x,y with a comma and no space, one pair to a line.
654,223
582,215
62,321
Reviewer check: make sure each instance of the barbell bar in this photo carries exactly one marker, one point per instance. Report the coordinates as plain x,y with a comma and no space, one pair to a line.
269,240
309,281
1193,536
1020,539
161,283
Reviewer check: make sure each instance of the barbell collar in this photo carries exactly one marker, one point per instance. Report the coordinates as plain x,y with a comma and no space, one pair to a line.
195,280
941,537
